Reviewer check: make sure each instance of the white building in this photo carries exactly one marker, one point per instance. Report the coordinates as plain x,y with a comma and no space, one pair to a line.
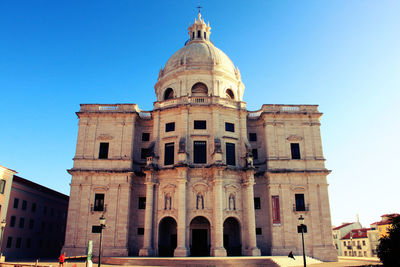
199,174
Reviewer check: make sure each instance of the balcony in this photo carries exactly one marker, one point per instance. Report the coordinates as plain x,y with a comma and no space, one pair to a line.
301,208
98,208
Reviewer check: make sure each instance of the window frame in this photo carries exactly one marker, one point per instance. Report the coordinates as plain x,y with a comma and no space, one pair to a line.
169,153
170,127
257,203
141,203
104,148
145,137
300,202
200,152
99,200
200,125
229,127
295,150
230,151
253,137
2,186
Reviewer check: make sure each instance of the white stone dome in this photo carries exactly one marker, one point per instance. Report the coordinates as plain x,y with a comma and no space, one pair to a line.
200,55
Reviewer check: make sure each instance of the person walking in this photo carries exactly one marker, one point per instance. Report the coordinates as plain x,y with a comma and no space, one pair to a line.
61,260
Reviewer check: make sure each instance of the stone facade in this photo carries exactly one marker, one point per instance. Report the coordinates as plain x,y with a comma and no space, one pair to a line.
199,174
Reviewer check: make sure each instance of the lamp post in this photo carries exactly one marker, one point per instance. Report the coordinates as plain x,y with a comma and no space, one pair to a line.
102,226
3,225
302,226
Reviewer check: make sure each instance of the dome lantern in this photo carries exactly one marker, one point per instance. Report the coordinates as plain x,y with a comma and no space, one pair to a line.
199,30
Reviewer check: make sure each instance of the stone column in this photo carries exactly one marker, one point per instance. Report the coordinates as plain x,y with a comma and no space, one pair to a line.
248,185
147,249
218,249
181,249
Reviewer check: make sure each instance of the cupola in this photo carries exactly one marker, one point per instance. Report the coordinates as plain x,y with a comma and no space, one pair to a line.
199,30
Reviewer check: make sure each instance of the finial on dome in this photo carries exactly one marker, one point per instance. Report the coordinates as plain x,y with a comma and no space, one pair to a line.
199,30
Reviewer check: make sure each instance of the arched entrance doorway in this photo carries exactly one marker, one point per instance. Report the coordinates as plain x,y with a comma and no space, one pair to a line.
200,237
232,242
167,237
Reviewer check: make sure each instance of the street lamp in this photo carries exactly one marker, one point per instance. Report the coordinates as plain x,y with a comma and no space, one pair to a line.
302,226
102,226
3,225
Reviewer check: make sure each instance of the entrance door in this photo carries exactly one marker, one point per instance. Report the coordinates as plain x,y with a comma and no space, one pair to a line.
232,242
167,237
200,240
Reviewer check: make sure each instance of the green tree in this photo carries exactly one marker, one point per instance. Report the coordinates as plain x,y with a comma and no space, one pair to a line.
389,246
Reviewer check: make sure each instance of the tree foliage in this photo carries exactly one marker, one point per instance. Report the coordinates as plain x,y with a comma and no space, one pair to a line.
389,246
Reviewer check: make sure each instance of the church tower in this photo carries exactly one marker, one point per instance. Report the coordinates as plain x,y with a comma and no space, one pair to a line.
199,175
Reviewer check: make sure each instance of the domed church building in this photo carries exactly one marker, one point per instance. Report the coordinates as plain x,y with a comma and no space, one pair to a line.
199,175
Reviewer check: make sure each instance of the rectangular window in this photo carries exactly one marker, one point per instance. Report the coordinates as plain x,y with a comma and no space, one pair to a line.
295,149
9,242
363,242
16,202
144,153
12,221
28,243
140,231
200,152
300,205
252,137
229,127
21,222
2,186
142,203
31,224
200,125
258,231
96,229
345,253
33,208
254,151
103,151
276,213
257,203
170,127
198,34
24,204
365,254
98,202
169,154
145,137
230,154
344,243
18,243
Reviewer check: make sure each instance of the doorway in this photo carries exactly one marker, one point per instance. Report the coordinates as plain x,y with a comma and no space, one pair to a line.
200,237
167,238
232,242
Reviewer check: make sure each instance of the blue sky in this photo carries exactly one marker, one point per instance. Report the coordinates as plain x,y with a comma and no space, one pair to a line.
341,55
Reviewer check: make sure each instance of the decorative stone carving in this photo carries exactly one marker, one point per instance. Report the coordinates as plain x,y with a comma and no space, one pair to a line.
217,145
182,145
294,138
105,137
232,202
167,202
199,201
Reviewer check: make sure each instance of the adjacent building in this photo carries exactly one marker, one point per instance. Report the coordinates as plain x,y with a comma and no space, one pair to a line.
339,232
35,220
199,174
6,177
384,224
360,243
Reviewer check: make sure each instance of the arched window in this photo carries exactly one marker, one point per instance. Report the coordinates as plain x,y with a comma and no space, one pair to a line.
229,94
168,94
199,89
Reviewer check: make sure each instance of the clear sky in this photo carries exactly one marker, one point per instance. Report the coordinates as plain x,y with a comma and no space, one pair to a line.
342,55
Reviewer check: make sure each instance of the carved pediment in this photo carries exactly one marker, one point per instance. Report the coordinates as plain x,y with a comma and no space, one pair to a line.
105,137
297,188
200,187
294,138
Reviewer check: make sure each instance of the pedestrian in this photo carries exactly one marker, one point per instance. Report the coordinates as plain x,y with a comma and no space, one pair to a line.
61,260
